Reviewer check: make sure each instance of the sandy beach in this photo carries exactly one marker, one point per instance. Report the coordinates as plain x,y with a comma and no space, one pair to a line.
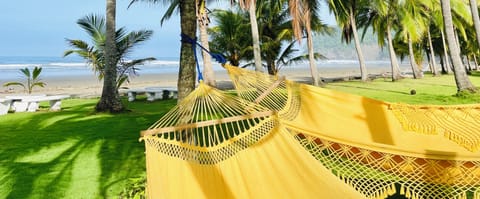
85,86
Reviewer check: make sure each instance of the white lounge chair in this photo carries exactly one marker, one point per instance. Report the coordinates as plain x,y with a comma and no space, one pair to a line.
5,105
18,105
31,103
153,93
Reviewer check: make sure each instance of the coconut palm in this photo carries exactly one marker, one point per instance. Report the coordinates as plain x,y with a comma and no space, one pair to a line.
110,100
188,27
275,25
33,79
437,24
187,72
381,16
95,54
461,79
414,21
229,35
251,6
304,13
476,20
345,14
431,51
203,21
276,30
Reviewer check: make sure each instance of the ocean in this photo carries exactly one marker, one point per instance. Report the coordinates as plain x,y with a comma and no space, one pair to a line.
70,66
76,66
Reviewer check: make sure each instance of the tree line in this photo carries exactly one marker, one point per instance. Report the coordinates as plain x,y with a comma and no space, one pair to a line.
262,34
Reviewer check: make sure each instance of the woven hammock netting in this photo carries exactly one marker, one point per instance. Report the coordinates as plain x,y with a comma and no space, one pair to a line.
275,138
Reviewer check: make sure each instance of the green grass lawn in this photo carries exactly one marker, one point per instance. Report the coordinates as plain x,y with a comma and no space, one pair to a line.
429,90
75,153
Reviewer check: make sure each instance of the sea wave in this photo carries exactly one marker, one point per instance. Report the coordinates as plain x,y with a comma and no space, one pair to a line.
162,62
14,66
67,64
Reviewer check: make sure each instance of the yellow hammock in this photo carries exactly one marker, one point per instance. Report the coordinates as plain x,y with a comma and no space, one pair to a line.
281,139
215,145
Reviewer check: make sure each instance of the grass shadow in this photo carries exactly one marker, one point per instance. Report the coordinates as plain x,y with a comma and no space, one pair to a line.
374,89
73,152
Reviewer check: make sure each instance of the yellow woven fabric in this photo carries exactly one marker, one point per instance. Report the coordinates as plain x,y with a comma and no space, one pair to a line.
362,141
274,167
281,139
459,123
261,160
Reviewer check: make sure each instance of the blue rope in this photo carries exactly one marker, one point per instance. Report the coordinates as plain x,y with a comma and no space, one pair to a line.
188,39
217,56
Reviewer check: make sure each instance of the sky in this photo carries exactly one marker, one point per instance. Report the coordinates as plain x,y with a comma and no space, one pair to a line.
39,28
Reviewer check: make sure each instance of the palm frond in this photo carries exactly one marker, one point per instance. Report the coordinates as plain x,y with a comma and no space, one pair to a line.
14,84
41,84
25,71
36,72
94,26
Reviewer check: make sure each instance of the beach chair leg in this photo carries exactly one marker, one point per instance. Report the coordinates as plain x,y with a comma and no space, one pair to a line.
4,107
132,96
150,96
19,106
33,106
55,105
158,95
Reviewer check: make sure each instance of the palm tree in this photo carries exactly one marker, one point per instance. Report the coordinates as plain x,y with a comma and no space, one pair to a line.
413,24
381,16
251,6
461,78
278,27
95,53
304,13
110,100
431,54
33,79
476,20
203,21
432,21
186,75
189,11
229,36
252,9
345,13
276,30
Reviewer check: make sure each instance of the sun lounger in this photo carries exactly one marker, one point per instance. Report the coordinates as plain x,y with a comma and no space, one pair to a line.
31,103
4,106
18,105
153,93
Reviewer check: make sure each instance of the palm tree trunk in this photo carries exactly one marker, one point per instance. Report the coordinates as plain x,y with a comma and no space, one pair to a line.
271,68
476,62
476,20
393,58
361,59
468,64
186,74
110,100
311,57
208,74
413,63
461,78
432,55
255,36
445,53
